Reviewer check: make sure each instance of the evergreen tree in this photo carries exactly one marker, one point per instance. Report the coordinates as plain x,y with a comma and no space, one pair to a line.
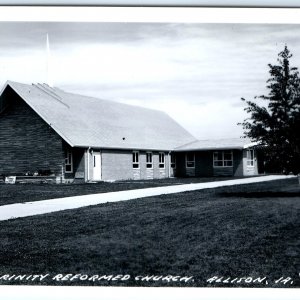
277,126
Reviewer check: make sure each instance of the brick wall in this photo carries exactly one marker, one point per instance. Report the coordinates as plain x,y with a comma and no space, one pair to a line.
180,164
160,172
238,163
223,171
27,143
204,165
78,163
117,165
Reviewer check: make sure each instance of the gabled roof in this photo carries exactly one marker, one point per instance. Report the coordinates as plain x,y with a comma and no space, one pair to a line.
219,144
90,122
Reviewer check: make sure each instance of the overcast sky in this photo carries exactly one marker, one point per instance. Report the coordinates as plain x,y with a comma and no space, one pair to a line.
197,73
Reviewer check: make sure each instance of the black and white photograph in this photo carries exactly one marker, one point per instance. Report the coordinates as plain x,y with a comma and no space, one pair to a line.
150,154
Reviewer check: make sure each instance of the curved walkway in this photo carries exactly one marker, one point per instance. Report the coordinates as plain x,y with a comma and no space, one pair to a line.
19,210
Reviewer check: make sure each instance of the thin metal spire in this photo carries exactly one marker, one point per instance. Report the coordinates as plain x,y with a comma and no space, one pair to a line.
49,75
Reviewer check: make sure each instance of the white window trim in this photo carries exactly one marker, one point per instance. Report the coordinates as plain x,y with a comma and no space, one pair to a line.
138,163
223,152
148,152
160,163
70,163
250,160
186,161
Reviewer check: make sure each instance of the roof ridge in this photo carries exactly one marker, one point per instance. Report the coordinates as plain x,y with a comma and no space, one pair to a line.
229,138
224,143
50,93
196,140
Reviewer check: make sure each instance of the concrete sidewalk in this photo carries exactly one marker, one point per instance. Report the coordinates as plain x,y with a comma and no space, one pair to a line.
26,209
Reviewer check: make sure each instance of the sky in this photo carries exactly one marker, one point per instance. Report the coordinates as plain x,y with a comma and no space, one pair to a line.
197,73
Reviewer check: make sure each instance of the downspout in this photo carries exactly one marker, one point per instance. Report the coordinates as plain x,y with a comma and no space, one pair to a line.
100,164
88,164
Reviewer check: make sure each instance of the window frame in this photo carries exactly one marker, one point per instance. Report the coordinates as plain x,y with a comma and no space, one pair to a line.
161,162
190,161
223,160
135,159
149,154
250,160
69,161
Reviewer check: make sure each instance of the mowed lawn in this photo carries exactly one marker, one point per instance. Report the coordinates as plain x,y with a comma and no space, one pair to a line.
19,193
241,231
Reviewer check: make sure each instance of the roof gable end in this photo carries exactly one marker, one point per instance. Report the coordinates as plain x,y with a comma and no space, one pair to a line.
90,122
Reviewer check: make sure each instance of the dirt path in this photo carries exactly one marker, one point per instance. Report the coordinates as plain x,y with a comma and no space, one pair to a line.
19,210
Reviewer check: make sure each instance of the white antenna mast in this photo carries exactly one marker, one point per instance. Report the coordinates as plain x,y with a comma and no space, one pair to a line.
49,77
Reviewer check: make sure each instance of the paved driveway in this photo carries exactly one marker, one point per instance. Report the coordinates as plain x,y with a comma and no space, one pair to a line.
26,209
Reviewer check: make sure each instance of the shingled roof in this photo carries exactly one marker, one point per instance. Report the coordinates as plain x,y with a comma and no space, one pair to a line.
90,122
217,144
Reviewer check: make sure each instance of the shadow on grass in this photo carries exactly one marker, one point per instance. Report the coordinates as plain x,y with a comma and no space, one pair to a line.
261,194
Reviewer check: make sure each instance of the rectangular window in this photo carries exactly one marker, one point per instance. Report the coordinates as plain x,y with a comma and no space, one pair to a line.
135,160
250,158
223,159
69,162
173,161
149,163
190,160
161,160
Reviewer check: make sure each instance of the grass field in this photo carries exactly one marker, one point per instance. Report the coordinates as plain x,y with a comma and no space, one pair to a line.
243,231
18,193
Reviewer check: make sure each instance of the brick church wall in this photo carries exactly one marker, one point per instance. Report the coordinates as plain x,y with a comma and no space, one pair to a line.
27,143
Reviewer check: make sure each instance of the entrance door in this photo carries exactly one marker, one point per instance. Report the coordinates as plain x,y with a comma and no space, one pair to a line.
96,166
